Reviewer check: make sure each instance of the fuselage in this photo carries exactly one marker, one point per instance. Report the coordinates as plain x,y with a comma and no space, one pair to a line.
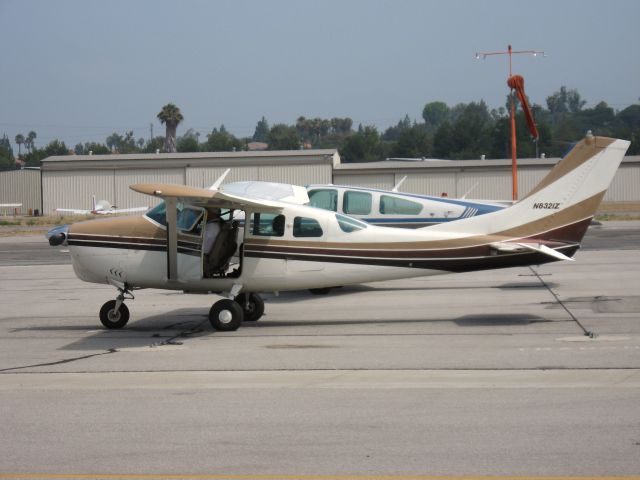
396,209
314,248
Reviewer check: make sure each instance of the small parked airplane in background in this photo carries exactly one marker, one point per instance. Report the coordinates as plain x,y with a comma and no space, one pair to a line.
5,206
288,246
102,207
391,208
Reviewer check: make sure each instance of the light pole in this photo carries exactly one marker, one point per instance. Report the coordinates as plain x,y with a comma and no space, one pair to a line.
515,82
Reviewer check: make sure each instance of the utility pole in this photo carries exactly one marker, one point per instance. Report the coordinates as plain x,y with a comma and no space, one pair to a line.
514,166
151,132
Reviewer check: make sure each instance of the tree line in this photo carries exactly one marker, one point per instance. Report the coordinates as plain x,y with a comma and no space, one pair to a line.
462,131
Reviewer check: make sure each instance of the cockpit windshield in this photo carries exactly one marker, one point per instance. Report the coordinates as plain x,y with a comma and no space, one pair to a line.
158,214
349,224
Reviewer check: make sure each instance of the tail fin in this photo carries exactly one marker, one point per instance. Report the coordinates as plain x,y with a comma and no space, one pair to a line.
561,207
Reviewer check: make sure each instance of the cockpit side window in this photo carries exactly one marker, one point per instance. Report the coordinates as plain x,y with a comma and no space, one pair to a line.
326,199
267,224
189,219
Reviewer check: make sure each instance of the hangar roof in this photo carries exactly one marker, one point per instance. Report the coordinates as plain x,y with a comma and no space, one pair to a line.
193,159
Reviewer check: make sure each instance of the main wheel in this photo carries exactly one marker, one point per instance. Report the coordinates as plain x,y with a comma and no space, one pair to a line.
252,306
111,318
226,315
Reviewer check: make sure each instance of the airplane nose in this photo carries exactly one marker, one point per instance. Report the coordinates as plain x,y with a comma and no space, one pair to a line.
58,235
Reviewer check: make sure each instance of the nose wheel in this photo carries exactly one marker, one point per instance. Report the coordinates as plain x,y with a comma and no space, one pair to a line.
115,314
113,317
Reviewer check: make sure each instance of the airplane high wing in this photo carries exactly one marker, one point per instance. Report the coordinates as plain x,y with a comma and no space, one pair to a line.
289,246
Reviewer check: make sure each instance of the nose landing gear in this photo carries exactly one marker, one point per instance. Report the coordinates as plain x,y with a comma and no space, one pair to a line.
115,314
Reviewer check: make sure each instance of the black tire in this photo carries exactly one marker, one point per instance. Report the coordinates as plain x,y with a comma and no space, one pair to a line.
252,306
320,291
112,319
226,315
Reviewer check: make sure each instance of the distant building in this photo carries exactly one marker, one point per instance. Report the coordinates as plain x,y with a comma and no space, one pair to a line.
257,146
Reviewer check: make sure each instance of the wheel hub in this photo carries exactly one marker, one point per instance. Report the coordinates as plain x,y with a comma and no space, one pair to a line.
225,316
113,316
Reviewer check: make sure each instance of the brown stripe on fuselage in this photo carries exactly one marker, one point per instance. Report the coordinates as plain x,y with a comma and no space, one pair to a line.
539,229
581,153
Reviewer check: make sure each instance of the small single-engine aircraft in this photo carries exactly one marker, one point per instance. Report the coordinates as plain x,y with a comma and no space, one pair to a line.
102,207
390,208
288,246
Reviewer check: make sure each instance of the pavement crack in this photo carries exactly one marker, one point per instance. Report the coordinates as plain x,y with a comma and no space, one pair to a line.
60,362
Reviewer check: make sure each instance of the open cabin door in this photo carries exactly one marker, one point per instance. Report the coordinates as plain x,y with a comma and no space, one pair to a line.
185,231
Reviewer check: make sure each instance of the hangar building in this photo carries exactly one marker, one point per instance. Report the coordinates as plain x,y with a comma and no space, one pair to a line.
70,181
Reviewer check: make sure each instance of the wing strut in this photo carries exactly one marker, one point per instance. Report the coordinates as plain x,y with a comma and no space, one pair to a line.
172,238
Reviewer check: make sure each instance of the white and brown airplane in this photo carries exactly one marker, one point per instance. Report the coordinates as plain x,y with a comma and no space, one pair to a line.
288,246
101,207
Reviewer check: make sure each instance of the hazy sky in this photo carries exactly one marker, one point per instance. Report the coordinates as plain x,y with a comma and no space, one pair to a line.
80,70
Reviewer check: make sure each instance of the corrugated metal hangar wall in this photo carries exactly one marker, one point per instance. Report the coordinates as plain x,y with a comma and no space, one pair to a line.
21,186
481,179
71,181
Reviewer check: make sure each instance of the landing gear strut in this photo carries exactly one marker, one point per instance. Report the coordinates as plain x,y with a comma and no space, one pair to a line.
252,306
115,314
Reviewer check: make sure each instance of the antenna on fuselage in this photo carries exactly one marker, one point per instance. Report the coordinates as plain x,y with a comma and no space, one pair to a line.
220,179
395,189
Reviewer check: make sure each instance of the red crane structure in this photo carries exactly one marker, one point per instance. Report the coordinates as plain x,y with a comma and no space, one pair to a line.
516,84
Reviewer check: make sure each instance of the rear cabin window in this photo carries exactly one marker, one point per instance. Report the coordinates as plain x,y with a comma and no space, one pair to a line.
306,227
267,224
356,203
327,199
398,206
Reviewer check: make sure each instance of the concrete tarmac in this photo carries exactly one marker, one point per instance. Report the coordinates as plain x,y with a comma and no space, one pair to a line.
488,373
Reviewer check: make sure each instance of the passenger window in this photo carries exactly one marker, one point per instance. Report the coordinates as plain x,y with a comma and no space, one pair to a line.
398,206
356,203
267,224
306,227
325,199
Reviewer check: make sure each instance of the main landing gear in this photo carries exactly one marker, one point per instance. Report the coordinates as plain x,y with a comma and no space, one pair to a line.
227,315
115,314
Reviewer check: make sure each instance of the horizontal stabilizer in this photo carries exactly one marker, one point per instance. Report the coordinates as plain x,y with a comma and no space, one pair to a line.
516,247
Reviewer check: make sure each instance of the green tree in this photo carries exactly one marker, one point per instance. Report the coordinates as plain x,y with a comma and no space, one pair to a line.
283,137
413,142
154,145
171,117
7,159
434,114
222,141
189,141
261,133
363,146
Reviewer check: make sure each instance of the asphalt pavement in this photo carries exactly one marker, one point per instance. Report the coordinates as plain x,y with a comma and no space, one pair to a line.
486,373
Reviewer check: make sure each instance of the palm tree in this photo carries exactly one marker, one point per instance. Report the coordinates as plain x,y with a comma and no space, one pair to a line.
170,115
19,141
31,136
